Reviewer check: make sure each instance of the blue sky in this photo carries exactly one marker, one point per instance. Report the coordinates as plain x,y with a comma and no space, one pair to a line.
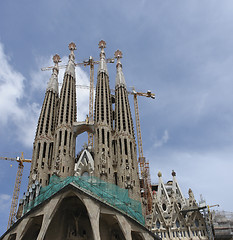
181,50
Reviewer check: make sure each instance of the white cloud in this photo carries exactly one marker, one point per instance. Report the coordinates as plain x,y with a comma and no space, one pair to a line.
5,201
163,140
12,92
11,89
21,108
82,94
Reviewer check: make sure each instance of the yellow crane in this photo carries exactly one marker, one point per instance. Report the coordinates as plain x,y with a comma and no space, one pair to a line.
143,164
15,198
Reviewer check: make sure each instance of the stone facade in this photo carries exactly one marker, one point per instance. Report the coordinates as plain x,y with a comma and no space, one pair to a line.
73,213
173,216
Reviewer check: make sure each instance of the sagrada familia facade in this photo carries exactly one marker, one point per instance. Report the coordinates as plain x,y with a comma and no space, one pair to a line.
97,193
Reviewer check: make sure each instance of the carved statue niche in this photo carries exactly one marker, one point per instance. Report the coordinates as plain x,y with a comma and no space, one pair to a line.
103,162
57,166
128,181
73,229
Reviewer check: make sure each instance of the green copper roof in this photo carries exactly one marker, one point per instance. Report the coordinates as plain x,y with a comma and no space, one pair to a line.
105,192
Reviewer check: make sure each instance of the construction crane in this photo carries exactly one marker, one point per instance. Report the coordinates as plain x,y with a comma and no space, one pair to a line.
14,203
90,62
143,164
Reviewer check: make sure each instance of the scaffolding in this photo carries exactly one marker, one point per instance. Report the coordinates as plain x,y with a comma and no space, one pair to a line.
106,192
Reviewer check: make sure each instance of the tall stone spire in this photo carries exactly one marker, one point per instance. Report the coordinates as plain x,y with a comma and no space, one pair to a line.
43,147
67,111
103,121
127,167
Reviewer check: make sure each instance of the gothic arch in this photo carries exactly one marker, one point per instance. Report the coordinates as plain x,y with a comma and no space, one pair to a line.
32,228
110,228
72,218
137,236
12,236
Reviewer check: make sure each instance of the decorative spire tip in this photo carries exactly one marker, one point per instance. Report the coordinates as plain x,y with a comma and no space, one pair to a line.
56,59
118,54
159,174
173,173
72,46
102,44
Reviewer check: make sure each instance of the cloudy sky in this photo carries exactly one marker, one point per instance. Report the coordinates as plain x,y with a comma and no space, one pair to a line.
181,50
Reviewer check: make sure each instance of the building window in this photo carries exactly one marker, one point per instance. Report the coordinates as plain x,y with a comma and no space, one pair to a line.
164,206
177,223
44,150
103,136
158,224
115,177
38,151
196,222
126,149
65,140
120,146
60,136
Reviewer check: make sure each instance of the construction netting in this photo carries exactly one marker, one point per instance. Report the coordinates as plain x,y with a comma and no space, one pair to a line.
106,192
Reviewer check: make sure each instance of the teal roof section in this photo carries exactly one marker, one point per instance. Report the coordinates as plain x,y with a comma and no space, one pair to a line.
105,192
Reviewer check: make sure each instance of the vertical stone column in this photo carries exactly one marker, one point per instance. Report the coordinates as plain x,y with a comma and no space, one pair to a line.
93,210
49,211
125,226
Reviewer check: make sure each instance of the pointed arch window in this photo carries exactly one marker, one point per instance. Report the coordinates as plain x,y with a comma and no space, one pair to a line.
158,224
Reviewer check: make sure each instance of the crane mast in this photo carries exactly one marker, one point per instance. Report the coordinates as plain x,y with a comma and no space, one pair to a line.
144,170
91,100
15,198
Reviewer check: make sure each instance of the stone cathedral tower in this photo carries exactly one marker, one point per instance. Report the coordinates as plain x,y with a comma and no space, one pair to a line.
67,111
103,122
126,154
43,147
96,195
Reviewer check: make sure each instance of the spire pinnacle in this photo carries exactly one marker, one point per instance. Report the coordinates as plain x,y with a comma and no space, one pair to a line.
53,81
120,79
102,64
71,65
173,173
102,44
